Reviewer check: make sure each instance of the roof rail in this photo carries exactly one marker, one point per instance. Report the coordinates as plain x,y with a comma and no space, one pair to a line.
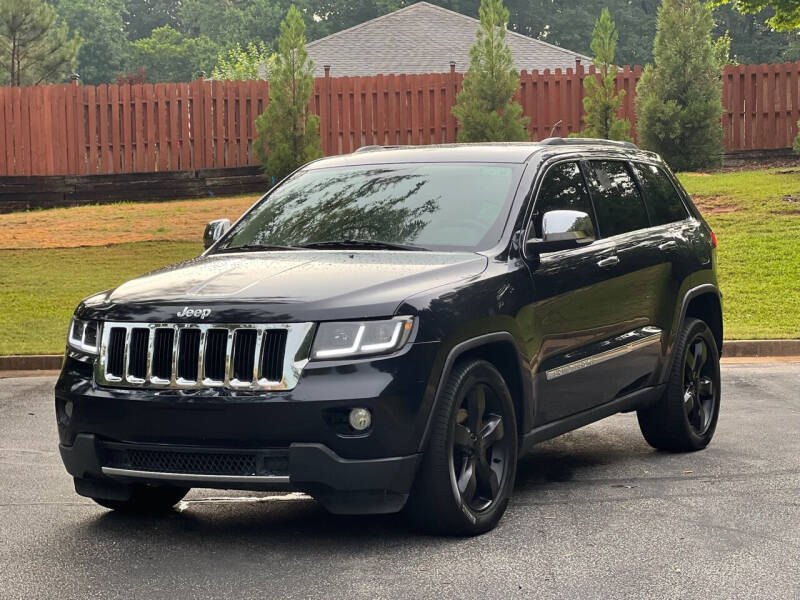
375,148
558,141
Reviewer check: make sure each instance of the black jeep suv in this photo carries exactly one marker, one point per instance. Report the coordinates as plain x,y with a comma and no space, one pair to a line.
391,329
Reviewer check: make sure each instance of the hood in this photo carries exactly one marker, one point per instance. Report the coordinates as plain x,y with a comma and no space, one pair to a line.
283,286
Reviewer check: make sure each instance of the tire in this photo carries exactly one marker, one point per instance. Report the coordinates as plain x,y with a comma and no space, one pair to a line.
483,465
146,500
685,417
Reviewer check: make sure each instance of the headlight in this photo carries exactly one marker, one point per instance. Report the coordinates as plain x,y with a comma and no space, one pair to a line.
358,338
84,336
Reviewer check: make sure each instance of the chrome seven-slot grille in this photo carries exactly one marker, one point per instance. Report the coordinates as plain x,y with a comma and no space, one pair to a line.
191,355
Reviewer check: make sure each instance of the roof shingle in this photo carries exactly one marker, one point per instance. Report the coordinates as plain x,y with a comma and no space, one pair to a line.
423,38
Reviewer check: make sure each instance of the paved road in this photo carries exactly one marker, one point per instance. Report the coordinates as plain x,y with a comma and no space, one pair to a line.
596,513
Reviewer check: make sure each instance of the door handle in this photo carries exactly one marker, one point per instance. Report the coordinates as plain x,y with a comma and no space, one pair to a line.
667,245
606,263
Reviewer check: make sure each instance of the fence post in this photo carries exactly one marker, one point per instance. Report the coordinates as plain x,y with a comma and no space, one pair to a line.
580,91
325,120
452,126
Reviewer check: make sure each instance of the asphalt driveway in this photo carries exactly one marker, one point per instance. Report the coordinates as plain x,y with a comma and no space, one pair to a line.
596,513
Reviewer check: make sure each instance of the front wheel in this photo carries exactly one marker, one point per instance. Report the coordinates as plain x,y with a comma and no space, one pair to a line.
468,470
685,417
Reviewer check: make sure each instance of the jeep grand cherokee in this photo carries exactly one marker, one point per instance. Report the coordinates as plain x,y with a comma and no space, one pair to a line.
393,328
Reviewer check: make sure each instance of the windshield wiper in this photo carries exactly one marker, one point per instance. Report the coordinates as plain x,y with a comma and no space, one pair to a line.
256,248
371,244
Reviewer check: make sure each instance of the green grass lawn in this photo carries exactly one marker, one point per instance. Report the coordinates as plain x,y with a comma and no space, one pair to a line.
39,289
757,228
756,216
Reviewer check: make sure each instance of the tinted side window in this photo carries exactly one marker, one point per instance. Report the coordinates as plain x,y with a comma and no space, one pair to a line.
563,188
616,198
661,196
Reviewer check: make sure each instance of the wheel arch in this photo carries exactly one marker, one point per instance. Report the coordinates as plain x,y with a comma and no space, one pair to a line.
704,303
502,351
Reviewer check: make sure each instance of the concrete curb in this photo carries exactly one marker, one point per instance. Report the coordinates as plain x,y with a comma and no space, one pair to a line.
33,362
732,349
755,348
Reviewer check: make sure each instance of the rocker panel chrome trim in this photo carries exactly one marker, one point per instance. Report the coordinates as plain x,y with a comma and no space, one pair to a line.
602,357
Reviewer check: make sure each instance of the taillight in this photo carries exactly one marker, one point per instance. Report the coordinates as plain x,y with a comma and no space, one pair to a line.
713,239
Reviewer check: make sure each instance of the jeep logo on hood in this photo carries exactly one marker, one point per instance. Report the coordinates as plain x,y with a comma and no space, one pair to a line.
194,312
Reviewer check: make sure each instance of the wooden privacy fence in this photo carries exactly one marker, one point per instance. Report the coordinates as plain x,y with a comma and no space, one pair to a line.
79,130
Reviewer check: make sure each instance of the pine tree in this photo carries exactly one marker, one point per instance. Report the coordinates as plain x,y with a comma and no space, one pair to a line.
602,101
35,46
485,108
679,100
288,134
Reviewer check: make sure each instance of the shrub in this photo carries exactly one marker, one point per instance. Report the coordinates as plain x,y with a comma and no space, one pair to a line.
602,101
484,108
797,140
679,100
288,134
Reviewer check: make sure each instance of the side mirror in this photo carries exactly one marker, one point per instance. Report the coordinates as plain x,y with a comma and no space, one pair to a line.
214,231
562,230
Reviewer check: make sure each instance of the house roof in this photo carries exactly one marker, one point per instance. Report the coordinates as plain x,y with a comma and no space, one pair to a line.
423,38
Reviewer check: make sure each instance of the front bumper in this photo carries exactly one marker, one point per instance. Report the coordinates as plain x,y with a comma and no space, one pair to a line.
306,427
344,486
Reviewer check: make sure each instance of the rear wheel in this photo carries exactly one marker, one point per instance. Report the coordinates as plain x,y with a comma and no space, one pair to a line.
468,470
685,417
146,499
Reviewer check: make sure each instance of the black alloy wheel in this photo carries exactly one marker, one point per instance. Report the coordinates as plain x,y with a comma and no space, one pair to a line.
685,417
467,472
480,448
698,386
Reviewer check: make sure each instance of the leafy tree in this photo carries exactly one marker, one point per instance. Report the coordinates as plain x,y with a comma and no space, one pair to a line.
145,16
101,25
35,46
787,12
752,40
288,134
253,62
485,108
569,24
334,15
222,22
679,101
602,101
168,55
262,19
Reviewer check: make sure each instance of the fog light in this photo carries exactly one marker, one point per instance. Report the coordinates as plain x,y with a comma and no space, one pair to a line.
360,419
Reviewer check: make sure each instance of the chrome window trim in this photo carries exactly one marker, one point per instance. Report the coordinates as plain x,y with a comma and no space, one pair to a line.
295,358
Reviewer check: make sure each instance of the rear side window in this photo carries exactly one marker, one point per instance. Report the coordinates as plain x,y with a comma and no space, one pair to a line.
661,196
563,188
617,200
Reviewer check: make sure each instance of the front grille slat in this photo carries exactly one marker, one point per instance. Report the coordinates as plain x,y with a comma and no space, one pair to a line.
244,353
188,348
216,340
198,355
137,353
162,353
272,357
116,352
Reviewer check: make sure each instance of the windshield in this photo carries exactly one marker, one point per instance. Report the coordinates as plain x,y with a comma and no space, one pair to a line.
460,206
